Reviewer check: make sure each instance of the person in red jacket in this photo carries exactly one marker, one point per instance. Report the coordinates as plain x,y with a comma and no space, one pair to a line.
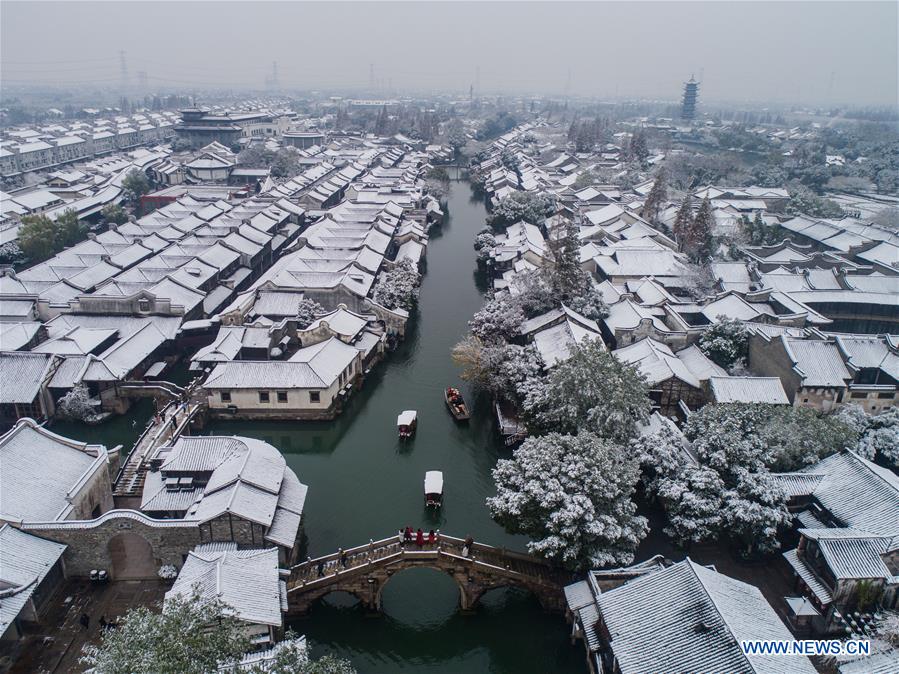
420,537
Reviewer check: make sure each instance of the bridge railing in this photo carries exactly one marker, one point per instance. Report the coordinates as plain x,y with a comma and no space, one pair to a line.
336,572
504,552
151,424
442,538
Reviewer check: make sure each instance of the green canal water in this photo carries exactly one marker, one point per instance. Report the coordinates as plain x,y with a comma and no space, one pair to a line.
364,484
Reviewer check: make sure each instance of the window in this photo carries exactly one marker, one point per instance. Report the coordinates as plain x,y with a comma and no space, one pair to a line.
263,396
315,397
143,305
282,396
805,400
886,395
859,394
226,396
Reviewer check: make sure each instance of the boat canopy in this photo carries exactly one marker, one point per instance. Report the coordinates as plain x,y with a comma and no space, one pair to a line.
406,418
433,482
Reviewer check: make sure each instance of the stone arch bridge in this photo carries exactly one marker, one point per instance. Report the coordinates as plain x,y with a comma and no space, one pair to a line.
368,568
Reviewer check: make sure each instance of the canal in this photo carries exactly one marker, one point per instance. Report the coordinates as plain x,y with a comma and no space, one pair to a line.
364,484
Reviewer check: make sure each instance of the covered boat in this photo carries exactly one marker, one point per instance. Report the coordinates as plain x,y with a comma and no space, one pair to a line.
434,488
406,422
456,403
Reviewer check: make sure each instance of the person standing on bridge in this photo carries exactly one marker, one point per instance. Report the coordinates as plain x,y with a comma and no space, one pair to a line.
343,558
321,568
401,537
419,537
408,534
432,537
466,548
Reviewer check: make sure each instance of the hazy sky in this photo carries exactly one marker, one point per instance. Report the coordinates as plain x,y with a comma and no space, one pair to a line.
807,52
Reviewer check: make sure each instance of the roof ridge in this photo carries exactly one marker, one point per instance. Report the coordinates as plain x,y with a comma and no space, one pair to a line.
691,565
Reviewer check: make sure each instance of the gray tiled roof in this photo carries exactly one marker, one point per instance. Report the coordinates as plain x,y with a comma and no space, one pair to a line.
688,618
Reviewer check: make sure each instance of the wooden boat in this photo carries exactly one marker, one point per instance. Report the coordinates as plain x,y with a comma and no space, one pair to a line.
406,422
455,403
433,488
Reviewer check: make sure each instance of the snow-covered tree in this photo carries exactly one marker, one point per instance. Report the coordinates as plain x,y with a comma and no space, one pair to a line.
307,311
754,511
572,496
10,253
661,455
76,404
534,294
192,635
398,288
498,320
484,243
656,197
592,391
878,435
693,504
589,304
510,370
189,635
533,207
762,437
726,342
563,280
881,438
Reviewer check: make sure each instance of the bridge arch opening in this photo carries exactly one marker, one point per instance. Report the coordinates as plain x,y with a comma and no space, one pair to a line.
500,598
437,597
132,557
340,599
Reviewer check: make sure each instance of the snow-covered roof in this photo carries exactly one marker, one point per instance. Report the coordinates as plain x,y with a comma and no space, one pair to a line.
41,471
28,370
748,390
818,362
848,480
248,581
691,618
25,560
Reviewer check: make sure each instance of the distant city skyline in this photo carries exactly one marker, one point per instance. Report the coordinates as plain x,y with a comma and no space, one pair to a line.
798,52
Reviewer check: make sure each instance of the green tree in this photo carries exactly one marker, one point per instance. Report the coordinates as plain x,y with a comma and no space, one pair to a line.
564,275
682,221
585,179
699,242
638,148
656,197
37,237
135,184
114,213
69,229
